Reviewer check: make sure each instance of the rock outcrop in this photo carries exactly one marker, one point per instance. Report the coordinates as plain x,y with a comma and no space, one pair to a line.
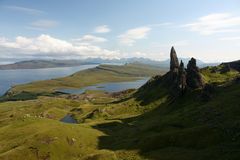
173,82
180,78
194,78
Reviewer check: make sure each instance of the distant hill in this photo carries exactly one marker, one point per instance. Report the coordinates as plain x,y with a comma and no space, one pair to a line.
36,64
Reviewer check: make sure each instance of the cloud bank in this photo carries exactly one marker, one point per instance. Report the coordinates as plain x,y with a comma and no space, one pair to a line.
45,46
48,47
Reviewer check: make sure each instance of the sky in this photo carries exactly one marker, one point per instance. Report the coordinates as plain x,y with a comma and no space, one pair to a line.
76,29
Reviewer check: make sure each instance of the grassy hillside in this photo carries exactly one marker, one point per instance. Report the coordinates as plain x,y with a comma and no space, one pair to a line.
182,128
217,74
149,123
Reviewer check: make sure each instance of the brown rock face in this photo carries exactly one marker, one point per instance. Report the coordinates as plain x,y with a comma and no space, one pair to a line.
194,78
174,64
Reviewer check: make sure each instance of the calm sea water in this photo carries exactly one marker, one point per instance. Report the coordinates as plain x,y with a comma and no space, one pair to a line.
109,87
10,78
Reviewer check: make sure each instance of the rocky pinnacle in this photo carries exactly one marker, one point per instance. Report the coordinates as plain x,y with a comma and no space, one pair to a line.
174,64
194,77
182,78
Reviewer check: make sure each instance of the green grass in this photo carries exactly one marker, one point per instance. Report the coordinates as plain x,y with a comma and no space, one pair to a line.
146,124
189,127
186,127
30,129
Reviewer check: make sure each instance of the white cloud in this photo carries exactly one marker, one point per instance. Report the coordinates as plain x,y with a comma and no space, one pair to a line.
89,39
230,38
102,29
43,24
130,36
215,23
45,46
25,10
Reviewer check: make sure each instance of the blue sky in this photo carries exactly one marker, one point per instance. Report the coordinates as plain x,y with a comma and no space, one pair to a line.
31,29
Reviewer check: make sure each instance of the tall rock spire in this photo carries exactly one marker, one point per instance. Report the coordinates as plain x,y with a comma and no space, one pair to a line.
174,64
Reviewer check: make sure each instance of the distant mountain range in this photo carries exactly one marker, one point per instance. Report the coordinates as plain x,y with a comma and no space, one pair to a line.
36,64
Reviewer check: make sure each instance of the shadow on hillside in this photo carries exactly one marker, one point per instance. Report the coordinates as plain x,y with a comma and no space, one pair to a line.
156,88
169,132
136,134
